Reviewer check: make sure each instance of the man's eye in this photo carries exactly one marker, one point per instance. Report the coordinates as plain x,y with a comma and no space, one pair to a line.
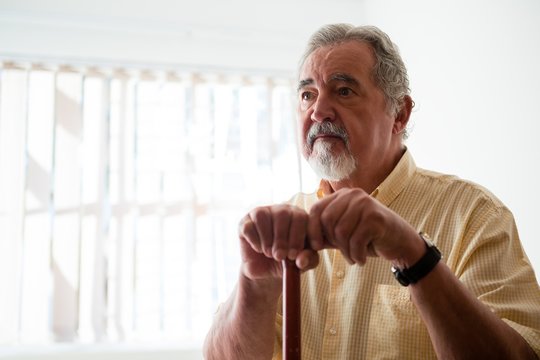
344,91
306,95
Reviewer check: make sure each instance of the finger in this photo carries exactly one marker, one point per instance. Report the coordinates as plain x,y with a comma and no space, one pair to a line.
297,233
328,218
307,259
358,247
338,220
314,229
371,250
281,220
262,220
347,225
248,233
360,240
362,246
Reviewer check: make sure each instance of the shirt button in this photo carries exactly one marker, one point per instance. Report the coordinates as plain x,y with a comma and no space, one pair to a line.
340,274
332,331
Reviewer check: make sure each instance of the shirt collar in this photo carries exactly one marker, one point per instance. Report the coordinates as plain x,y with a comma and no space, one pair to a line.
391,187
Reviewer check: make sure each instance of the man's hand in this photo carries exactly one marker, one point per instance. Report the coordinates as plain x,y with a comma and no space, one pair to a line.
359,226
270,234
348,220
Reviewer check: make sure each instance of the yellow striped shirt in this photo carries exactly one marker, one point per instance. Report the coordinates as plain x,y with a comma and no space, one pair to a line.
353,312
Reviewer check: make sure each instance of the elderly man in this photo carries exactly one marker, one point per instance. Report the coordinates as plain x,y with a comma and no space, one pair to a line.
372,213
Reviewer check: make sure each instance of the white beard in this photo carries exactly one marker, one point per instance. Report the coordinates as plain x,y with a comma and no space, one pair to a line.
329,166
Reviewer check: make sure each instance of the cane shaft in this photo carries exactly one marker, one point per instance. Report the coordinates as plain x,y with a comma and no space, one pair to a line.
291,311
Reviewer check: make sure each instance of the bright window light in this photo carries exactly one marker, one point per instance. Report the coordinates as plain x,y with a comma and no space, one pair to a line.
121,193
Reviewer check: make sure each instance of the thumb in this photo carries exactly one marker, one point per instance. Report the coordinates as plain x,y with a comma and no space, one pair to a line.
307,259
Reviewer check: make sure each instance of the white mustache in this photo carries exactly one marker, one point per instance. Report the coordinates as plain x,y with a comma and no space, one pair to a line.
326,128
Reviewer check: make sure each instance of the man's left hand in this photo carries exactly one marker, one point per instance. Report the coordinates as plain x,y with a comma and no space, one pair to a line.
360,226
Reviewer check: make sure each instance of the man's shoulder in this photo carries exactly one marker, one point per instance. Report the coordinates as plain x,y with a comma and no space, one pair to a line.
439,184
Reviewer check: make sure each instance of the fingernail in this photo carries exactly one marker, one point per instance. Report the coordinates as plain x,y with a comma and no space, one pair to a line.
301,263
268,252
292,254
280,254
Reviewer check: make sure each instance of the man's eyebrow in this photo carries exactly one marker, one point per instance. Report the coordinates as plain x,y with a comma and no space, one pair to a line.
345,78
304,83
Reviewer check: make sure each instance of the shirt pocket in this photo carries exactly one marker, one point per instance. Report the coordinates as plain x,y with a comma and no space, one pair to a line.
396,330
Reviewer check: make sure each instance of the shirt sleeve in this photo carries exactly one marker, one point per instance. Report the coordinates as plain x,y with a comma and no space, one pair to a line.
496,269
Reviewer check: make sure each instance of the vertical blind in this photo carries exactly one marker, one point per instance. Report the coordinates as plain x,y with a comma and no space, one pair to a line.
121,192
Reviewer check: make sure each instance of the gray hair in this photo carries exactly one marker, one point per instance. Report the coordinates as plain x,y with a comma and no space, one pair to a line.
389,72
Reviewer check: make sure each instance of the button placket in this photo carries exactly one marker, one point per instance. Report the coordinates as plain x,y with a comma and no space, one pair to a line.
331,340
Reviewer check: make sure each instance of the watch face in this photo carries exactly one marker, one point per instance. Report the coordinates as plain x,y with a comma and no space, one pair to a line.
400,277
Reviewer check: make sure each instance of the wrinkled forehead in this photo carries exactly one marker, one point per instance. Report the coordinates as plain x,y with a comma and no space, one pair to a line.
350,57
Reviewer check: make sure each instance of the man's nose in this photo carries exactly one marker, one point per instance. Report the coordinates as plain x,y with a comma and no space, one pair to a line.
323,109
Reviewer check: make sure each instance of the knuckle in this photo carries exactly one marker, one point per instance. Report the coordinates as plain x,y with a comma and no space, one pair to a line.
281,213
341,232
259,214
327,218
244,225
375,216
300,214
315,209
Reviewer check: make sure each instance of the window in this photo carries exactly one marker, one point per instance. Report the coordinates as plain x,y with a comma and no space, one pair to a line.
120,195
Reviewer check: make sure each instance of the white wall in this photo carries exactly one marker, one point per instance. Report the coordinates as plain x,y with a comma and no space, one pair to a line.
475,75
236,33
473,66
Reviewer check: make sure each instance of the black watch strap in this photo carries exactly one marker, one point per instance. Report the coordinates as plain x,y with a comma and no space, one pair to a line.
422,267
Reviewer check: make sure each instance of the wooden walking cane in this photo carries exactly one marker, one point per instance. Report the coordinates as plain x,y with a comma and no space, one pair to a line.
291,311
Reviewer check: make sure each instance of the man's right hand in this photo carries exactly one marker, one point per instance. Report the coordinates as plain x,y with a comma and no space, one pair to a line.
270,234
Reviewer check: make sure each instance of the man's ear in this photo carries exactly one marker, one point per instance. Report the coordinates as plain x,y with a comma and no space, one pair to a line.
402,117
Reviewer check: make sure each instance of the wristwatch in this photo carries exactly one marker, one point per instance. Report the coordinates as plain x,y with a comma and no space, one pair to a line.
422,267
